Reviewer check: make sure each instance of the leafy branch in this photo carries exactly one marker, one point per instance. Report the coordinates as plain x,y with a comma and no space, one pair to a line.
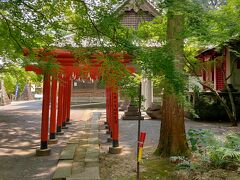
10,30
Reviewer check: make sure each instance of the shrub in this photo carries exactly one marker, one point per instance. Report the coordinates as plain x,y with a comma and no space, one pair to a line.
200,139
221,157
218,153
232,140
208,108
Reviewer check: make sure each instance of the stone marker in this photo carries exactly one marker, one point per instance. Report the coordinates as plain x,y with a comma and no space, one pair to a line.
132,113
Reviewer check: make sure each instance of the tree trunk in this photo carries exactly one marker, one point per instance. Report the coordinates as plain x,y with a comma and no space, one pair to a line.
172,134
172,140
224,104
233,115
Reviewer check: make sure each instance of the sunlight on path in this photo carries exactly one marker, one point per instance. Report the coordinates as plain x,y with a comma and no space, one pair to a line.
20,136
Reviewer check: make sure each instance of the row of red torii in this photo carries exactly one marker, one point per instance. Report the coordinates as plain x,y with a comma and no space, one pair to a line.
58,102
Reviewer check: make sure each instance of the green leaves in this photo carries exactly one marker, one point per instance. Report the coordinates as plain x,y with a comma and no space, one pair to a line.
160,62
232,140
16,75
154,30
130,88
200,139
220,153
43,24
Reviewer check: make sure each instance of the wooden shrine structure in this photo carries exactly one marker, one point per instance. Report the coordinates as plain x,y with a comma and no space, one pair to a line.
60,100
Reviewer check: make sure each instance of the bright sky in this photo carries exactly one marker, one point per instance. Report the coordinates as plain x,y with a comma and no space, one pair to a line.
1,62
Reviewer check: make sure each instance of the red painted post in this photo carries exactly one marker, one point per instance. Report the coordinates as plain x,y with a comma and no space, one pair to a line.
64,102
110,112
53,109
115,129
107,105
69,99
60,107
45,112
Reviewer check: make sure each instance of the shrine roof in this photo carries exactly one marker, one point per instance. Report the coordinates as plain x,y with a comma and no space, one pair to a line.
135,5
125,6
208,54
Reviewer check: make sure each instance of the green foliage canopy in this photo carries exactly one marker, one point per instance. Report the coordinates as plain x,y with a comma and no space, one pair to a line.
41,24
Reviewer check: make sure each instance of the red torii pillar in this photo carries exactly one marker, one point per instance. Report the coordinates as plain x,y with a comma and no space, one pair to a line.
52,136
69,92
115,149
108,113
64,103
60,107
107,107
44,150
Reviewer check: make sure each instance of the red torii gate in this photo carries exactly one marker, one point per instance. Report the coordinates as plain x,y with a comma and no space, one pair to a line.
69,71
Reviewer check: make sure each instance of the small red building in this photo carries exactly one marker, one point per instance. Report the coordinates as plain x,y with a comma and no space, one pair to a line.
219,66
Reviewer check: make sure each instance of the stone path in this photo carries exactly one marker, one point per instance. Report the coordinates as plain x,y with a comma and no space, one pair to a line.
80,158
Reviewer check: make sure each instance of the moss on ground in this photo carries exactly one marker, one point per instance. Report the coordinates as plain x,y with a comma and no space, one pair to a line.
154,168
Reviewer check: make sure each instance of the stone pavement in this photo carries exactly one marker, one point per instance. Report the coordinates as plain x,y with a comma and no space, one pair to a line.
80,158
20,124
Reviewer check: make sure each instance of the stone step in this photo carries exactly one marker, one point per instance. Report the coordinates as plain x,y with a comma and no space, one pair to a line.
80,154
83,141
63,170
68,152
90,173
93,140
80,158
132,118
133,108
129,113
95,126
92,155
77,168
93,135
74,140
94,131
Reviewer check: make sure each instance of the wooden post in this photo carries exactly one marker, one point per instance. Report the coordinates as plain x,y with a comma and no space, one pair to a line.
60,107
64,103
139,127
110,111
107,106
69,87
52,137
45,114
115,149
115,119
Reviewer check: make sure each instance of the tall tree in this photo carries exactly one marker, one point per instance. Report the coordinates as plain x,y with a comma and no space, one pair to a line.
172,134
